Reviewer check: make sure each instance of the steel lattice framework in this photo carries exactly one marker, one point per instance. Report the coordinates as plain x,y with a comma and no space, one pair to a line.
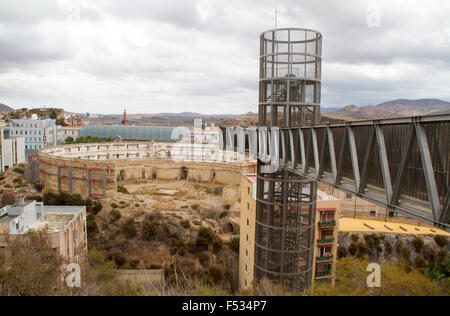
401,164
289,96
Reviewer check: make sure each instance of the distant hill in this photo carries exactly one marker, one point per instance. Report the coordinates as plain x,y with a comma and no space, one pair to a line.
5,108
396,108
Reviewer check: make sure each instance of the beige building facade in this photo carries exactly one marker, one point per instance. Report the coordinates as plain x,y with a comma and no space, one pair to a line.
65,226
326,232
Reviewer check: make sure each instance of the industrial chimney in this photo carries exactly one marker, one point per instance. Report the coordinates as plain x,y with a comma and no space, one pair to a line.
124,120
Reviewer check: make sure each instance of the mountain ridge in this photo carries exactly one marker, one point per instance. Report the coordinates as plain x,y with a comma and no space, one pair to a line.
395,108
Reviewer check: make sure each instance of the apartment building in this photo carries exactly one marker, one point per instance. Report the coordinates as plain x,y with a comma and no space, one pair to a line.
12,151
325,244
37,133
326,234
65,225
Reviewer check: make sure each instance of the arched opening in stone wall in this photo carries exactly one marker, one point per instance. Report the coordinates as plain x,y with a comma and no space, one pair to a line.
143,174
154,173
184,173
230,228
122,174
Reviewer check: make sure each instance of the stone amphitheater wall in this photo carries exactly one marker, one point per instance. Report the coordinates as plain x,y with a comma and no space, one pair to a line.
99,177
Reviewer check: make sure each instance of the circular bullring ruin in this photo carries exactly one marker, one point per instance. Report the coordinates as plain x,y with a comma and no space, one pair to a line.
94,169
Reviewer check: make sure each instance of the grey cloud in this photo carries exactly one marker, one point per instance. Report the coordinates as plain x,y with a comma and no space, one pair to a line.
203,55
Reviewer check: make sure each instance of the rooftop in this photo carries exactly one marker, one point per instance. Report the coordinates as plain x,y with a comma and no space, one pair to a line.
155,133
364,225
54,219
53,222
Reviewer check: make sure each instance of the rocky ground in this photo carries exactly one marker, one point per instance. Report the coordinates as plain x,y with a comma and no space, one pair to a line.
176,225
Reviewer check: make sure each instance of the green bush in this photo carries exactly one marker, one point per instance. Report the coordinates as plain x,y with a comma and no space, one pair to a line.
342,252
203,258
34,197
235,244
122,189
430,255
114,215
94,208
149,230
417,244
227,206
363,250
388,246
210,214
205,237
128,228
218,190
114,205
117,258
402,251
353,249
440,240
194,207
182,251
134,264
215,273
354,238
223,215
91,224
420,263
185,224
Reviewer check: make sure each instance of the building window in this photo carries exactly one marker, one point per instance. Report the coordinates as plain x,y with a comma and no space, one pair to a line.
246,253
248,206
246,268
348,196
247,237
248,189
248,222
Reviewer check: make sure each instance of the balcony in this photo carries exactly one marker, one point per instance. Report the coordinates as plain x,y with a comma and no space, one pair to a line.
325,241
323,274
324,257
327,224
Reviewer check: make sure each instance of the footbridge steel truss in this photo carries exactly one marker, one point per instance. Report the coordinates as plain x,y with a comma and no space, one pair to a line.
401,164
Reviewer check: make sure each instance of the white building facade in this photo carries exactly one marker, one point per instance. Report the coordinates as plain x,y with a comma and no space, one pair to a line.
12,151
37,133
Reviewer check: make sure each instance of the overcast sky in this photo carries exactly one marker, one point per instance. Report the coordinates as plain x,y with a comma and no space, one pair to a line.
202,55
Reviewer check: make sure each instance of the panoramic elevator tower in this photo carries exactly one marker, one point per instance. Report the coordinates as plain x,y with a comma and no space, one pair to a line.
289,96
